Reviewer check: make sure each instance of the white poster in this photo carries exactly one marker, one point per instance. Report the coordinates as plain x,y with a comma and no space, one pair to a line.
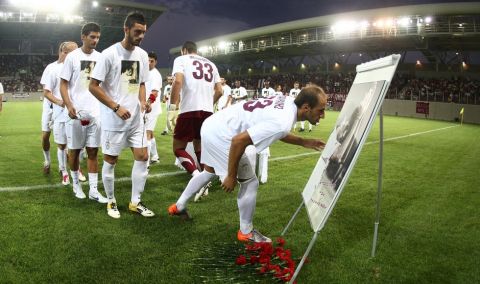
345,142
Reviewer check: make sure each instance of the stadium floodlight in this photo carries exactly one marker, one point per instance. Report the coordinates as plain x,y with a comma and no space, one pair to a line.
428,20
203,49
94,4
63,6
404,22
222,45
344,27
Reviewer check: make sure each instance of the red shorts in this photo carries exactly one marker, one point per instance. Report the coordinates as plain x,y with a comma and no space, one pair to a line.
189,124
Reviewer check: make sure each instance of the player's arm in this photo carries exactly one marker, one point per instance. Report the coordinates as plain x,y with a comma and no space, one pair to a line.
229,101
142,98
99,93
315,144
237,148
72,113
218,92
48,94
176,87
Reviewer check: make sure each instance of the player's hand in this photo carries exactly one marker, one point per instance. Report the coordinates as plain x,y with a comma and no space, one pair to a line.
123,113
315,144
148,108
229,183
72,112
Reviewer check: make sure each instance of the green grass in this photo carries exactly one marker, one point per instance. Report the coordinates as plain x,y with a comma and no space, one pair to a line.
429,230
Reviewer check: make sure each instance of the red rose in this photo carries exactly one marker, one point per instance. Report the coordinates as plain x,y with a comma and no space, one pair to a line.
241,260
152,98
84,122
281,242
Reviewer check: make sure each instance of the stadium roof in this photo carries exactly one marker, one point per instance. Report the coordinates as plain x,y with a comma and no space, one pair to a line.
34,30
429,28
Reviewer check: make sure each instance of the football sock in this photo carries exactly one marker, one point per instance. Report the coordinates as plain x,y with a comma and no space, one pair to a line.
75,177
108,177
93,182
186,160
61,159
246,201
302,124
46,156
153,147
149,153
194,185
263,167
139,177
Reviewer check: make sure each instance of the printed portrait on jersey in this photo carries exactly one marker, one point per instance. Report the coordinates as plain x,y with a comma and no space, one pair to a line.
129,77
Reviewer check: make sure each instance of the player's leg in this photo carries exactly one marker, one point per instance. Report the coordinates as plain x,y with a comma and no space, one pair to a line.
246,202
112,144
75,142
46,129
60,139
92,143
263,164
137,142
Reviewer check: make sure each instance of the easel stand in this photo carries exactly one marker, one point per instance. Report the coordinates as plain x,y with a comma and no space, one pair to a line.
377,210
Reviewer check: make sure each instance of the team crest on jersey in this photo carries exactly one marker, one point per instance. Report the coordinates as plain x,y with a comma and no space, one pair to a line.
130,76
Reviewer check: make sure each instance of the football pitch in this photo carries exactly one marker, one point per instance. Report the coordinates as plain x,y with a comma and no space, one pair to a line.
429,228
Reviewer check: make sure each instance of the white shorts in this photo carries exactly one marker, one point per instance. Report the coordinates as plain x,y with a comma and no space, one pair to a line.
47,122
79,136
113,142
59,133
215,151
151,121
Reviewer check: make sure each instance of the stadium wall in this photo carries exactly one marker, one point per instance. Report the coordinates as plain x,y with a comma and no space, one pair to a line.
437,111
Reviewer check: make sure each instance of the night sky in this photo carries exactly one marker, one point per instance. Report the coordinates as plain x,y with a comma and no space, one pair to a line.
201,19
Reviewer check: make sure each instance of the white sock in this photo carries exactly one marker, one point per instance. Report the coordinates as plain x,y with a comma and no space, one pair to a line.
246,201
153,147
139,177
46,156
263,167
93,182
194,185
108,178
309,126
61,159
149,143
195,172
302,124
75,180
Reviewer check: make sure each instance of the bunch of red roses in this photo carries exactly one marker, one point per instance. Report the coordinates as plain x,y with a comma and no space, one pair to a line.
269,259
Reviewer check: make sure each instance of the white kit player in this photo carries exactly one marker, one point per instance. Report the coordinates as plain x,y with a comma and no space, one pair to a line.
294,93
52,93
239,94
83,128
226,98
153,87
172,113
227,133
122,71
47,112
197,86
267,91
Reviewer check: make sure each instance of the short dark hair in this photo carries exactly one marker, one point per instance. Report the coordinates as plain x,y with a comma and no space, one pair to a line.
309,95
90,27
134,18
153,55
190,46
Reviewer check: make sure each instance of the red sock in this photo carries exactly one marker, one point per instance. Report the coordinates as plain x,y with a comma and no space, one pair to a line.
198,154
186,160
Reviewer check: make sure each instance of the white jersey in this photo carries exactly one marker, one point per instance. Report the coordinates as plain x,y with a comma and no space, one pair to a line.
294,93
47,105
52,84
200,76
77,69
265,120
226,92
154,83
1,89
239,94
267,92
121,72
166,94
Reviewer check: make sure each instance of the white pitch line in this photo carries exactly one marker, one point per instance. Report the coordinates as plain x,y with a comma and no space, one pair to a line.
161,175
